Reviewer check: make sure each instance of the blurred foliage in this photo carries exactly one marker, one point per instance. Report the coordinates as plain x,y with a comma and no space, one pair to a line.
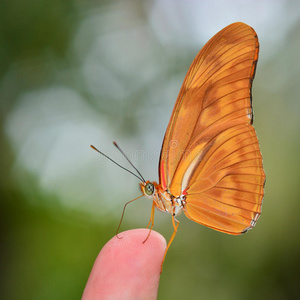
78,72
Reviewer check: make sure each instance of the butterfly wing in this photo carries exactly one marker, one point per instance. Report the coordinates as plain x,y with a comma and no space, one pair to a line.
210,150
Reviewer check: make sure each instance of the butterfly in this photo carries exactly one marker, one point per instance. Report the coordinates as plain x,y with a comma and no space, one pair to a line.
210,165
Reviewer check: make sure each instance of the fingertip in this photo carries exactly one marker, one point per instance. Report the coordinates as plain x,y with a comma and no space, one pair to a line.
128,267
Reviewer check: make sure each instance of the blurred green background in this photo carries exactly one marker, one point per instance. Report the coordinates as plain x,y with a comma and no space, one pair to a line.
75,73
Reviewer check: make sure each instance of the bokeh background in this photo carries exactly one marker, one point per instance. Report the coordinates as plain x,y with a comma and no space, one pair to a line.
75,73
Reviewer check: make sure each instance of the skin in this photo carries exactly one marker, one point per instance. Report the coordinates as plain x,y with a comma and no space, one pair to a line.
127,268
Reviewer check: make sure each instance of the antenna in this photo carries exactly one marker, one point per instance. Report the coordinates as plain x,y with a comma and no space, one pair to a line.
117,146
140,178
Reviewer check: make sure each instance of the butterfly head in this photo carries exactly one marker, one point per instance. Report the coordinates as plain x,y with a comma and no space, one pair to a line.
148,188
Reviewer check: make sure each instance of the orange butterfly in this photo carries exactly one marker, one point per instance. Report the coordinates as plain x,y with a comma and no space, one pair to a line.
210,163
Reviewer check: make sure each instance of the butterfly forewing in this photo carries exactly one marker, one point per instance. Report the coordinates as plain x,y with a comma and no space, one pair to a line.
210,150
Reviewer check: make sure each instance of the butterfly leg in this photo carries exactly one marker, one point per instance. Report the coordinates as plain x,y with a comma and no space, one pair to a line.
152,213
175,225
151,221
117,232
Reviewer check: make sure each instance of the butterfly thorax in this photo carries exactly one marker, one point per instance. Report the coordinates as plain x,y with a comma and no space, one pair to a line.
163,199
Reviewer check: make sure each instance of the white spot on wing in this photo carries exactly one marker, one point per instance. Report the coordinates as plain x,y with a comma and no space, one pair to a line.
189,171
249,113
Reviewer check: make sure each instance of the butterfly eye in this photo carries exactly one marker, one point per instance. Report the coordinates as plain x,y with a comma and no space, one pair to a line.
149,189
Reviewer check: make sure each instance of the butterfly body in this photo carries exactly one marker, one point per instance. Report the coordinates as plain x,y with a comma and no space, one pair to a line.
163,200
